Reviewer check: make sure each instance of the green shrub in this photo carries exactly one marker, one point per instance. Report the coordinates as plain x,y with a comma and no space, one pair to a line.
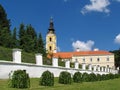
85,77
65,78
20,79
116,75
111,76
92,77
104,77
77,77
99,77
47,79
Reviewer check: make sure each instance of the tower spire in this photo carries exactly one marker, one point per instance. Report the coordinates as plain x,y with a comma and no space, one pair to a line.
51,26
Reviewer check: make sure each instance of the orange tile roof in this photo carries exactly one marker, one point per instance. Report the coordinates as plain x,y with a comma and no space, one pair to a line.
68,55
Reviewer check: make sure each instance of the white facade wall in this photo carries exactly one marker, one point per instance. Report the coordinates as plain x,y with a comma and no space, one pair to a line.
93,59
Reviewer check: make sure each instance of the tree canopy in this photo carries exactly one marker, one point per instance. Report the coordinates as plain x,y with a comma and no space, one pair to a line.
25,37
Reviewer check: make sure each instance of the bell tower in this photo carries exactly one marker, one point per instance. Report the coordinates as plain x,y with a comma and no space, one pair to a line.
51,38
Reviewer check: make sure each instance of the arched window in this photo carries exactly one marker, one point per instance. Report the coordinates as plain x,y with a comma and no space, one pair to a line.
50,48
50,39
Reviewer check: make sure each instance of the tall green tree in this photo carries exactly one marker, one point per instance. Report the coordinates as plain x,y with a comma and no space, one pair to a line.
14,38
30,39
5,33
117,57
21,36
4,22
41,45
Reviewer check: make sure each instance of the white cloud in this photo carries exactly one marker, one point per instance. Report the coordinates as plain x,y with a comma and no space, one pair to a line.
117,39
96,5
65,0
58,49
83,46
118,0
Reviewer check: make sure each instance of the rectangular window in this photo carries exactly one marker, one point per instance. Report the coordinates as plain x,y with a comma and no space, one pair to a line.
108,59
90,59
83,59
98,59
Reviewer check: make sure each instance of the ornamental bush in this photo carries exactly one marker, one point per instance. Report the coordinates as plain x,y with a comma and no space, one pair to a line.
65,78
92,77
99,77
85,77
20,79
77,77
47,79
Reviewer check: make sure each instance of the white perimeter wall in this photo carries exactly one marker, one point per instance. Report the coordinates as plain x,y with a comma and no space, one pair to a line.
35,71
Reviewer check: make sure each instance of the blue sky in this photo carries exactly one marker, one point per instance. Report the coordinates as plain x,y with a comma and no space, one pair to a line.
84,24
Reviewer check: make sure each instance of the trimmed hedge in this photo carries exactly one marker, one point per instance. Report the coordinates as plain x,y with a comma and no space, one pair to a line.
47,79
20,79
85,77
92,77
65,78
77,77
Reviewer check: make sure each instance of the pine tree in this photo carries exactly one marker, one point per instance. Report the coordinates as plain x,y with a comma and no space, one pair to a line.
4,22
31,38
21,36
5,33
41,45
14,39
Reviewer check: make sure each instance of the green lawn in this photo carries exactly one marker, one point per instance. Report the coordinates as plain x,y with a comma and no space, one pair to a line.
101,85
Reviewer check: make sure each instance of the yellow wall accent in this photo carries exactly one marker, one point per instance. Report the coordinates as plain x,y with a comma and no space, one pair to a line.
51,42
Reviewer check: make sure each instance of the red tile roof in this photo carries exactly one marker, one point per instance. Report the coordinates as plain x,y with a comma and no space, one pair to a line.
66,55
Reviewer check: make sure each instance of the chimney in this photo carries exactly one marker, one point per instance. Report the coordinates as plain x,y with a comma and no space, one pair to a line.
96,49
77,49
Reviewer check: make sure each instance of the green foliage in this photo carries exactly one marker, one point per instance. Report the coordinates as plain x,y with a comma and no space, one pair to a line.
99,77
92,77
14,39
41,45
47,79
5,54
4,22
20,79
85,77
117,57
65,78
5,34
77,77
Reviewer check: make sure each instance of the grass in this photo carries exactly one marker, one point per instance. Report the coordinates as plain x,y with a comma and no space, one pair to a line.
6,54
100,85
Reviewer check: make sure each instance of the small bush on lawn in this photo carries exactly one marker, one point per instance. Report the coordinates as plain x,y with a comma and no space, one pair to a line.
85,77
92,77
110,76
77,77
99,77
47,79
65,78
20,79
104,77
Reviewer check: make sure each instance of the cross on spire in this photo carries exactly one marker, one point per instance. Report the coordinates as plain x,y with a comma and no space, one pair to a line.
51,27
